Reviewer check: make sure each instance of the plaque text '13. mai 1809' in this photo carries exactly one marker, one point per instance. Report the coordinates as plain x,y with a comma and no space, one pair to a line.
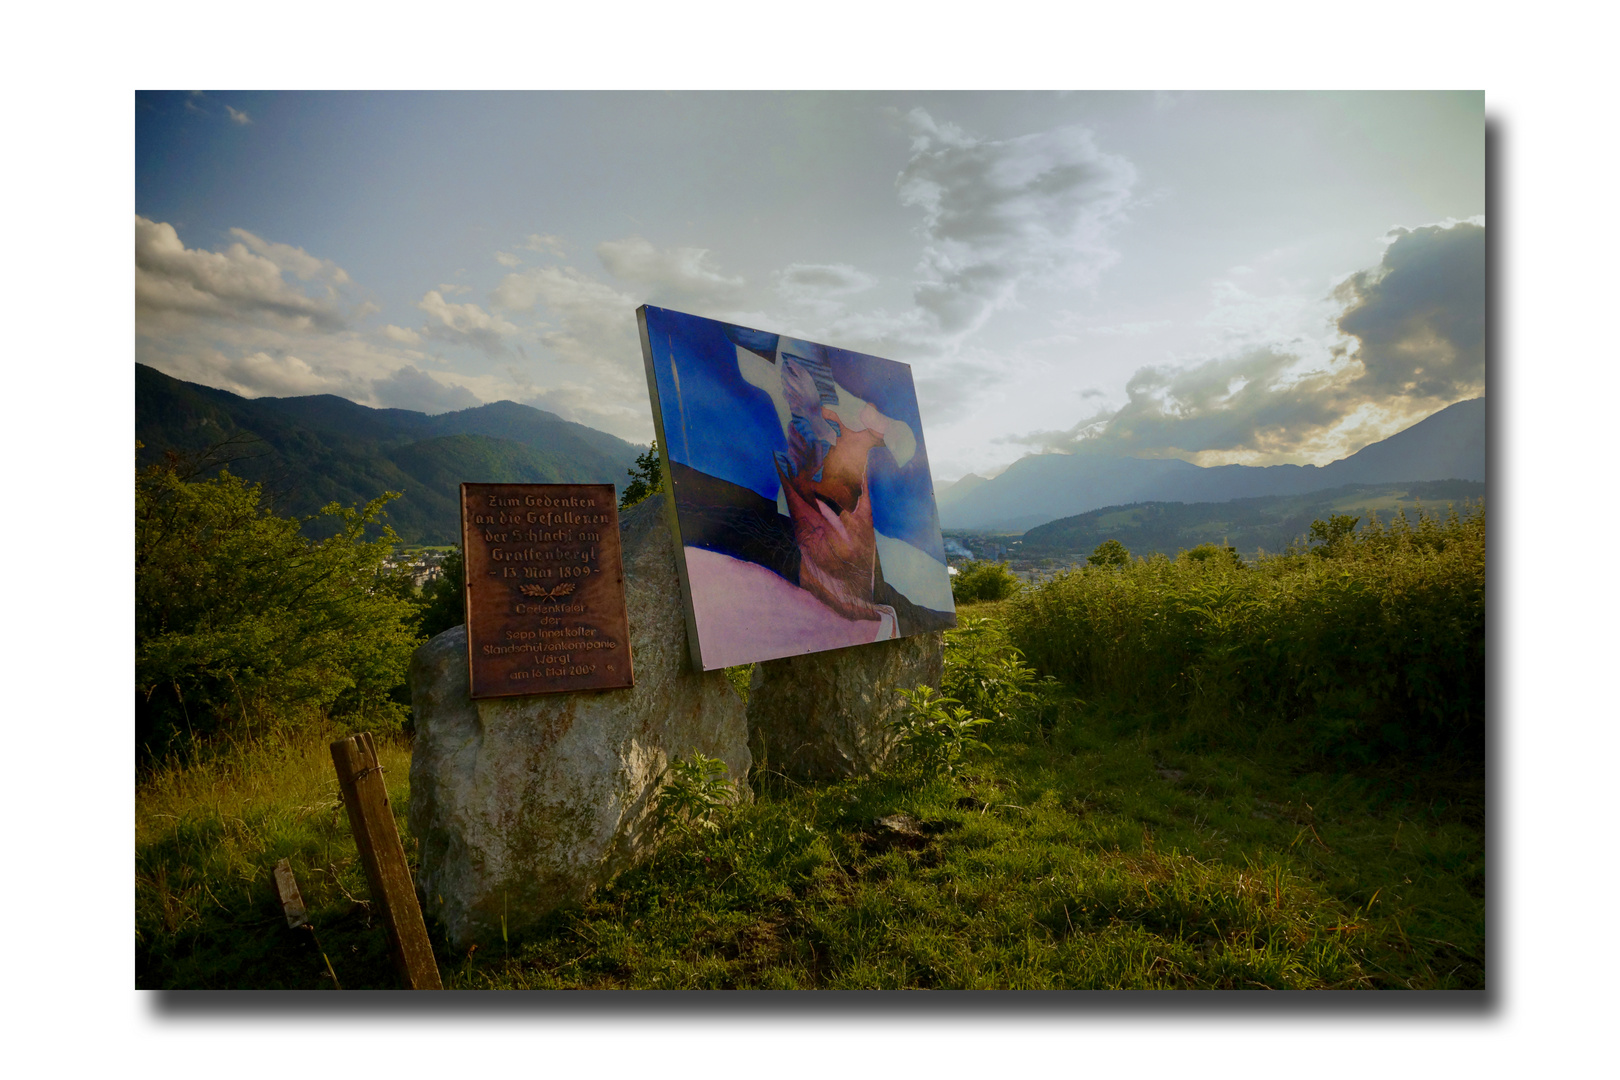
545,589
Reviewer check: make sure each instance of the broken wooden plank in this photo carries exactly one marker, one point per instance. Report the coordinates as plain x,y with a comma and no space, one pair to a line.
292,904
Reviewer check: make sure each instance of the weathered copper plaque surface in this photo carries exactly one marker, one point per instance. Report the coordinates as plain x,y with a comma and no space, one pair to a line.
545,589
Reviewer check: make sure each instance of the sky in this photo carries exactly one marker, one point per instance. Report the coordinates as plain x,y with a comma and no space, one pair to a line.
1223,277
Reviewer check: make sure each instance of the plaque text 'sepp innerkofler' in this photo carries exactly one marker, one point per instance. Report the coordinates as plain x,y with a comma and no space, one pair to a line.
545,589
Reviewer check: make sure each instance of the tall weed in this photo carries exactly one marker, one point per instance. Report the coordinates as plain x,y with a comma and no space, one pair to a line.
1371,646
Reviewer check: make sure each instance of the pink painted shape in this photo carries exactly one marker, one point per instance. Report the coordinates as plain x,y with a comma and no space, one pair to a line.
746,613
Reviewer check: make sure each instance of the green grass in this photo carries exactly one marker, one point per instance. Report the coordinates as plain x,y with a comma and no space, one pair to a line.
1084,847
207,837
1086,857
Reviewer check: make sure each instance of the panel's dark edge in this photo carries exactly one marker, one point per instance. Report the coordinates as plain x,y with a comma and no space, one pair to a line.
672,517
466,585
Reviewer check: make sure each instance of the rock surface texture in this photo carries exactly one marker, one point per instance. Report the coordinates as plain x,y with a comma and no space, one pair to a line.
826,715
523,804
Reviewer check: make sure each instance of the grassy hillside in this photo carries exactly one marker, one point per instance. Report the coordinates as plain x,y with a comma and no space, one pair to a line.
1098,837
1250,525
311,451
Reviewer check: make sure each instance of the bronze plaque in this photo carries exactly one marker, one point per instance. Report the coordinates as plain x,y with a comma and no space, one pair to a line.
545,589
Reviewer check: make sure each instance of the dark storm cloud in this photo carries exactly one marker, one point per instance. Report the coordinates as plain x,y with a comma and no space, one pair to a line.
1418,320
1420,315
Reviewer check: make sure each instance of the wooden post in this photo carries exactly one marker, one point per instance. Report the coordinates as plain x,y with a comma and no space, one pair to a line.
376,836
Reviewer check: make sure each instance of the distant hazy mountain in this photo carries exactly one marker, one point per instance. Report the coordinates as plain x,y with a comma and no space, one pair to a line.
956,489
1034,490
316,450
1270,522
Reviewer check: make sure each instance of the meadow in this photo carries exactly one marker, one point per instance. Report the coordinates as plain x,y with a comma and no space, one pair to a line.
1195,773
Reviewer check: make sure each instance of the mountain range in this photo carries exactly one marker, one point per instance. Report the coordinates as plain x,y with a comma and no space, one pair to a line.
311,451
1268,523
1449,445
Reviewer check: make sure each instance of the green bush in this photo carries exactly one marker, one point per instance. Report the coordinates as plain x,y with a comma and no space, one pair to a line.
646,479
1109,553
1377,648
974,581
242,624
933,733
985,673
443,601
695,792
1217,552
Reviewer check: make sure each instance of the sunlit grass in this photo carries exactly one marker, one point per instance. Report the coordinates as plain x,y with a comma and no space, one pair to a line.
207,837
1094,859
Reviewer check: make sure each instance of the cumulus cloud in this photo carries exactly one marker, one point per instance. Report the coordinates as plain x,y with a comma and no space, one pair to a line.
265,318
256,361
684,271
1419,316
1001,214
238,284
294,260
261,374
507,259
1414,329
590,329
592,325
237,116
412,388
464,324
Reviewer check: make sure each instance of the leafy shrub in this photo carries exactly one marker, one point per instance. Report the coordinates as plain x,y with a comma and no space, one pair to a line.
1335,536
443,601
933,733
646,479
985,672
1109,553
243,622
976,580
741,677
696,790
1375,650
1207,552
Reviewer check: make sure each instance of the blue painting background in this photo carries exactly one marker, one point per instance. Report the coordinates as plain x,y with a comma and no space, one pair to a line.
719,424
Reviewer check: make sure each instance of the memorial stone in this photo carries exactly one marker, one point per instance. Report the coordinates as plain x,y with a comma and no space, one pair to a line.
522,804
828,715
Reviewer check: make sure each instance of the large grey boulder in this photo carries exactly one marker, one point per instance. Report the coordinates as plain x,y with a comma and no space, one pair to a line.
524,804
826,715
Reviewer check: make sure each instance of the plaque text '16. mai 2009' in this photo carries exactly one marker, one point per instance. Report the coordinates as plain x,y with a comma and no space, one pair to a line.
545,589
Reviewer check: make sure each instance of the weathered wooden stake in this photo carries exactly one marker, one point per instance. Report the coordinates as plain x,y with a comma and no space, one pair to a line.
292,905
292,902
376,836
